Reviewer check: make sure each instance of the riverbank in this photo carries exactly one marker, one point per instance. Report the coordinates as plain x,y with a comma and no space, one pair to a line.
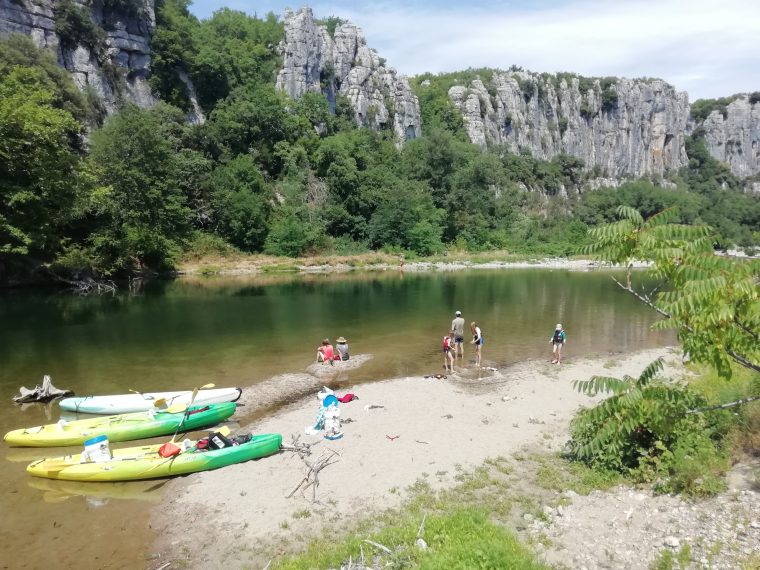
422,429
241,264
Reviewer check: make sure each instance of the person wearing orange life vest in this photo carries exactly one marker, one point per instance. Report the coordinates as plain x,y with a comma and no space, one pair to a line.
448,351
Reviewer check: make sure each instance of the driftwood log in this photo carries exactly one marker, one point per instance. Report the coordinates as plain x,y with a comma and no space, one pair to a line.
43,393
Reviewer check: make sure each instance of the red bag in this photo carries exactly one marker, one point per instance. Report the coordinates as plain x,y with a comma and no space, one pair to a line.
169,450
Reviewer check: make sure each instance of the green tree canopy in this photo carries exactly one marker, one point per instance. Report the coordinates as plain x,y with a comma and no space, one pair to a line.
147,214
39,162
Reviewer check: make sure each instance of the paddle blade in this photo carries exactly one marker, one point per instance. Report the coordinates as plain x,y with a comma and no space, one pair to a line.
207,386
177,408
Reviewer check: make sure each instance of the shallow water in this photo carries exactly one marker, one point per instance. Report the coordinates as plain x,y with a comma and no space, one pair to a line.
240,331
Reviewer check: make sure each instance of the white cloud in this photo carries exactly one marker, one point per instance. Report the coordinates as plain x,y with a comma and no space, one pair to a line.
705,47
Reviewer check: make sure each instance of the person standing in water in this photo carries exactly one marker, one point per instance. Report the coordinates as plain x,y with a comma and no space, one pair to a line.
448,352
477,340
457,326
558,340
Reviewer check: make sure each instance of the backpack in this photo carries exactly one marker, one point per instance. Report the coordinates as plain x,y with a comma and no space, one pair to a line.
558,336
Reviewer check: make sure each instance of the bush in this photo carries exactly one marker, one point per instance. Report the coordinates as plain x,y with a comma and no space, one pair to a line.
701,108
74,27
203,244
291,236
643,430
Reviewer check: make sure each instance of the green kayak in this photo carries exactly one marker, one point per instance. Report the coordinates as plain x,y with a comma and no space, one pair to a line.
123,427
135,463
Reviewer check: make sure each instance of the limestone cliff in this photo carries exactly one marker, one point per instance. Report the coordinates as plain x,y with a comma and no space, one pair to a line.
343,65
120,64
733,136
621,127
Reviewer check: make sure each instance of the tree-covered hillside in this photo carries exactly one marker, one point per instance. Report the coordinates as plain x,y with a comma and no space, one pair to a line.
264,173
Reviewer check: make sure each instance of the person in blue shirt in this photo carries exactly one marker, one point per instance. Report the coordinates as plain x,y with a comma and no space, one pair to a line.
557,339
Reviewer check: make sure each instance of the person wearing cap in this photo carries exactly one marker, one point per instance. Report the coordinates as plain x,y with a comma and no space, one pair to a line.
325,352
457,325
341,346
557,339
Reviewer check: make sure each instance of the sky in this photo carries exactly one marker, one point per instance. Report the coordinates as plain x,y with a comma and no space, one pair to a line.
709,48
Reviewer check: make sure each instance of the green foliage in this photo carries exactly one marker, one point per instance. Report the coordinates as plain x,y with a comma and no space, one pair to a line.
252,119
644,429
562,124
461,539
663,431
19,50
293,234
145,212
701,108
202,245
734,215
609,94
173,49
39,162
233,50
331,23
713,304
132,8
74,27
406,217
240,200
437,110
667,560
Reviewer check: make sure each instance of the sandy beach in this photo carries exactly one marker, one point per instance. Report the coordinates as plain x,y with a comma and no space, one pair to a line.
399,431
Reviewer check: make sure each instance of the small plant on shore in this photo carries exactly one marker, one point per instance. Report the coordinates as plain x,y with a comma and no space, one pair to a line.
645,429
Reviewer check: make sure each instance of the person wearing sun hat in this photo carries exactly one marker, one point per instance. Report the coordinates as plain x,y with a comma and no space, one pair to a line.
341,346
557,339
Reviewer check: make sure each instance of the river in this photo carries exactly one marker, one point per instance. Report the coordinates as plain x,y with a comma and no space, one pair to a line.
243,330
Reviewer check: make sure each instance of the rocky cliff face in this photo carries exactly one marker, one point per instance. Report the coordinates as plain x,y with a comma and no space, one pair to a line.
343,65
121,65
733,137
621,127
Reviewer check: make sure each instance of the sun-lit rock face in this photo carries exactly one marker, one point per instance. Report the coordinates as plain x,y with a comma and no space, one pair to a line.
120,67
733,136
623,128
342,65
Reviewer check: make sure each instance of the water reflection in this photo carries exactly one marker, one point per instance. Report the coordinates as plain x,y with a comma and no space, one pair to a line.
241,331
98,494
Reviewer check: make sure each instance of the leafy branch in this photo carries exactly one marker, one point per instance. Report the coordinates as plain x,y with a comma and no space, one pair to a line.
712,301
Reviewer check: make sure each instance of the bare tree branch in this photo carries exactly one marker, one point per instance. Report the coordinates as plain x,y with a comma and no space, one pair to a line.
722,406
648,302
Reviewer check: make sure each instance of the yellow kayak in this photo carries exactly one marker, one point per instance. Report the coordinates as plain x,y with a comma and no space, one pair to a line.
124,427
134,463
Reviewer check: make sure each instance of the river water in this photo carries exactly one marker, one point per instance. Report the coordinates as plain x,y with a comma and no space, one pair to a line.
240,331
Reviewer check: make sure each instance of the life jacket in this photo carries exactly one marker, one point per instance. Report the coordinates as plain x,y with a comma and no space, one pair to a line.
558,336
446,342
